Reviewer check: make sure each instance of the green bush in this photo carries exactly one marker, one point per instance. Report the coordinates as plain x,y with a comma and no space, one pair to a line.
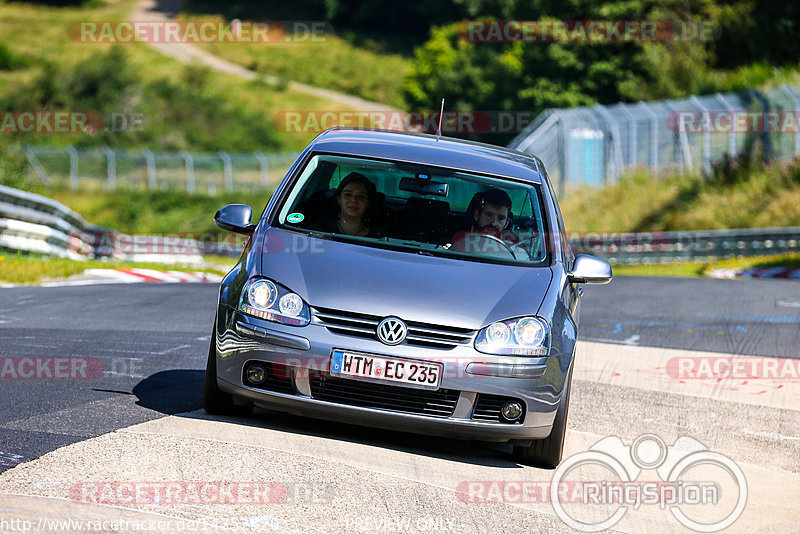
177,115
9,60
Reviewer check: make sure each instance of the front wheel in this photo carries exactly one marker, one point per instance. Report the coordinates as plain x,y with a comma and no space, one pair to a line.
546,453
216,401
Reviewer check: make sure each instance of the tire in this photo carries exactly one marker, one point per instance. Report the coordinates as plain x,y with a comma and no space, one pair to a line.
546,453
216,401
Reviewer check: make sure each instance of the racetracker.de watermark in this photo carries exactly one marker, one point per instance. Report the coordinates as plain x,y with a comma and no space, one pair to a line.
732,368
727,122
199,31
423,121
49,367
199,492
585,31
68,122
111,243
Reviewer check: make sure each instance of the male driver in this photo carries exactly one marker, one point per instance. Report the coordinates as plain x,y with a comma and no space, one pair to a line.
489,214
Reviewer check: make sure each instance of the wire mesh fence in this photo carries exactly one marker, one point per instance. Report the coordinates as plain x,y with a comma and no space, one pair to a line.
106,169
595,145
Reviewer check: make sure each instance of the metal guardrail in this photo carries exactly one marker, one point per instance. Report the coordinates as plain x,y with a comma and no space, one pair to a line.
637,248
33,223
36,224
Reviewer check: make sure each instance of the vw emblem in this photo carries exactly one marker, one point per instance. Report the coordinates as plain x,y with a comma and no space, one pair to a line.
392,331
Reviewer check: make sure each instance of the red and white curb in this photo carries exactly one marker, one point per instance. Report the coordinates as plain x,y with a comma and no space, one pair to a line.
134,276
771,272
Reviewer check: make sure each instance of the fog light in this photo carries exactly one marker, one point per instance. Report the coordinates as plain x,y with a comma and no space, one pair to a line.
511,411
256,374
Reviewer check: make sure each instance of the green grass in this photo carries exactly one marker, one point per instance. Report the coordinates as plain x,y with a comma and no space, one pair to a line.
18,268
673,270
155,211
354,63
333,63
701,269
35,36
739,194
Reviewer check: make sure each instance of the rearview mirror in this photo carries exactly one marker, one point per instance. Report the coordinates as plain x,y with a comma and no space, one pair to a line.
423,187
589,269
235,218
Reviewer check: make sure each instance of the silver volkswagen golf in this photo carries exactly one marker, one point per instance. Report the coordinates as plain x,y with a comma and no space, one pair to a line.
407,282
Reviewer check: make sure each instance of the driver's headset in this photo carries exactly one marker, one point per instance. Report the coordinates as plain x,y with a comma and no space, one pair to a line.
478,203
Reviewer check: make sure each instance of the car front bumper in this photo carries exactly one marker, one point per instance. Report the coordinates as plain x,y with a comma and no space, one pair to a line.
471,380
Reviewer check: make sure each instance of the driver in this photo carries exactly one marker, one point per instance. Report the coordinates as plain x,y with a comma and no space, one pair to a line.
489,213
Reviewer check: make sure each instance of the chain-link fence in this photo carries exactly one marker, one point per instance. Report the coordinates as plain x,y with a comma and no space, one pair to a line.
106,169
595,145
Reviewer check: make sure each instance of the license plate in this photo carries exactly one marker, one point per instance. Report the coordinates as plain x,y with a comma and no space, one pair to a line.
409,373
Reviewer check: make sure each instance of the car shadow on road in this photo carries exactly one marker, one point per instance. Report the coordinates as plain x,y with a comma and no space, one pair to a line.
180,392
171,392
471,452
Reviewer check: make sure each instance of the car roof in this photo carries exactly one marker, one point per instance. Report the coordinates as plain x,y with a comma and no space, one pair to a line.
431,150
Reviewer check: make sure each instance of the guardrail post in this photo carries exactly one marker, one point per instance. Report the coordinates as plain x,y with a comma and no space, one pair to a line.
264,162
73,167
227,169
111,159
188,161
151,169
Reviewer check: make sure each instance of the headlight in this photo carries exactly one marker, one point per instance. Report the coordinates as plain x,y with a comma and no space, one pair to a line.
267,300
524,336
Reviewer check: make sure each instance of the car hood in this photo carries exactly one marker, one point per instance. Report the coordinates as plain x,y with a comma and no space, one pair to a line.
414,287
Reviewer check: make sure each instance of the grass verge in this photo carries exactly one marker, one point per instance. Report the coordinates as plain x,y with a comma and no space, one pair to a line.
18,268
738,193
142,212
702,269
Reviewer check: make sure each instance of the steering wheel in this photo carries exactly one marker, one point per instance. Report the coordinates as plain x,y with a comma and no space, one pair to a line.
491,238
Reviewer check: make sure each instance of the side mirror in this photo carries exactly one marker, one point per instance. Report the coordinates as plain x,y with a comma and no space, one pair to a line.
235,218
589,270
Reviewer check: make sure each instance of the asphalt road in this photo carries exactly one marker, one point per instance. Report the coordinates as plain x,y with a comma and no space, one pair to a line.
151,340
142,350
755,317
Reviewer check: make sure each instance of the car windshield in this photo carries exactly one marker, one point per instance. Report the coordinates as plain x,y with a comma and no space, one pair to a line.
419,209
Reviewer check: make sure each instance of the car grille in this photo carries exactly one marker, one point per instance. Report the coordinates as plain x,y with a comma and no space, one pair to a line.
487,408
363,325
279,378
440,403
